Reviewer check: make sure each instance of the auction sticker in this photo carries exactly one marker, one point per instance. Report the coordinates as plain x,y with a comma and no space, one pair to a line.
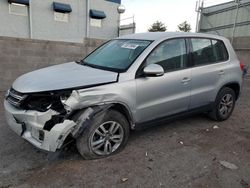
130,46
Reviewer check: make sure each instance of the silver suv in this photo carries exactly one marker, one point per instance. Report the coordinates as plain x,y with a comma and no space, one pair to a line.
128,83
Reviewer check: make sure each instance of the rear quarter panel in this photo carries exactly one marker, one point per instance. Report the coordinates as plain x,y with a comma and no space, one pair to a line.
233,73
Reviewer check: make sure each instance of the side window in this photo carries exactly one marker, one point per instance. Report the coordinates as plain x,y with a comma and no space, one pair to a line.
206,51
203,52
171,55
220,50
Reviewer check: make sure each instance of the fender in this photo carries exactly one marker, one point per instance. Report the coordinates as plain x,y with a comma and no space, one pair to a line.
83,99
86,117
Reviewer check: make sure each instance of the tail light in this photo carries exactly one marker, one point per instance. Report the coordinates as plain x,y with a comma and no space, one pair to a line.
242,66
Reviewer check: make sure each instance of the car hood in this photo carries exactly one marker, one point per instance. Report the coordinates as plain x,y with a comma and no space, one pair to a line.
63,76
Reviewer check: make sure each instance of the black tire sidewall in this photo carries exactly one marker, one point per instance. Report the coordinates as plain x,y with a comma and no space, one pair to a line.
83,142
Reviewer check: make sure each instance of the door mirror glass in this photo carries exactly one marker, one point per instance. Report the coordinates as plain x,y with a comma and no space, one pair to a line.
153,70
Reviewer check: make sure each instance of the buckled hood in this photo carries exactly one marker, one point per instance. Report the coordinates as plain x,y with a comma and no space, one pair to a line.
63,76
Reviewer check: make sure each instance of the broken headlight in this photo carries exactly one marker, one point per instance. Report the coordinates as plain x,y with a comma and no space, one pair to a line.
63,98
45,101
38,102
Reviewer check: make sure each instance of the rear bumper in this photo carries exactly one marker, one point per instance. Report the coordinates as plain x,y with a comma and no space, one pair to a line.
29,125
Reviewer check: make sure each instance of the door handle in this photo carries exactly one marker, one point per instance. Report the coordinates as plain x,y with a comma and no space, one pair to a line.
185,80
221,72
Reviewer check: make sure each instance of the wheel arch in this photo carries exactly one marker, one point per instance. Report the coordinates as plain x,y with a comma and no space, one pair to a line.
125,111
120,107
235,87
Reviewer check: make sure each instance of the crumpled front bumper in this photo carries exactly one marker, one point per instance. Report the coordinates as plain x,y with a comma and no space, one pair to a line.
29,125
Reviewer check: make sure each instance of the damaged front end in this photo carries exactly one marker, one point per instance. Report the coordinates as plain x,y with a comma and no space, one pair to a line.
40,118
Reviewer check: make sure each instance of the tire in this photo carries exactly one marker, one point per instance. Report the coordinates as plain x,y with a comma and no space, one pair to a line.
108,143
223,109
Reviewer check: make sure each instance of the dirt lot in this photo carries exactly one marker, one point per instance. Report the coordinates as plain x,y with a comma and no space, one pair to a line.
184,153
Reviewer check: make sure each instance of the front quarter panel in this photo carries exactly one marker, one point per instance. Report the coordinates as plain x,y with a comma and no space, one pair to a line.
121,92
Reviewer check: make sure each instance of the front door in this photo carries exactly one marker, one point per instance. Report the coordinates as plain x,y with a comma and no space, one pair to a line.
168,94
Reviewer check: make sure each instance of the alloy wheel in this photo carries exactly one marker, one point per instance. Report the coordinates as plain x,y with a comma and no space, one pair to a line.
107,138
226,105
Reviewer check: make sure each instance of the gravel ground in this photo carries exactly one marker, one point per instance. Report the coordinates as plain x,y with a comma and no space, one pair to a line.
184,153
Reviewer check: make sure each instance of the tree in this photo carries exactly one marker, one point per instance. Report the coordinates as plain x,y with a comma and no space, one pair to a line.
157,27
184,27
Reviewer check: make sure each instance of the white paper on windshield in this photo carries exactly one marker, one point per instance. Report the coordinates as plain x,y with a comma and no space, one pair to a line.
130,46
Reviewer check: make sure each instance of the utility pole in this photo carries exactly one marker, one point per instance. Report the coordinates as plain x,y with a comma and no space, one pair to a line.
30,19
235,20
87,18
198,9
120,9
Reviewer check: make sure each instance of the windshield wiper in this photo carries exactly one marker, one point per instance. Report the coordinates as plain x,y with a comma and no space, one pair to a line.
84,63
90,65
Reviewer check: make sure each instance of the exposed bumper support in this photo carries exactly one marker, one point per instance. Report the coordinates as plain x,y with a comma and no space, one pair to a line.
29,124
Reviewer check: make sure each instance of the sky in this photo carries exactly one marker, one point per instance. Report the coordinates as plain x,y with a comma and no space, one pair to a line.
170,12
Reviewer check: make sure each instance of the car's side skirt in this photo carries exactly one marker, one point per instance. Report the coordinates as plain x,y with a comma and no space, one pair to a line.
160,121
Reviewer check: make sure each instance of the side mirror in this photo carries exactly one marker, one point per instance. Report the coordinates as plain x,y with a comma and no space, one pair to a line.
153,70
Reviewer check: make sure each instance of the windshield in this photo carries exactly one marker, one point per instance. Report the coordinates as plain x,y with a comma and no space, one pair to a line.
116,55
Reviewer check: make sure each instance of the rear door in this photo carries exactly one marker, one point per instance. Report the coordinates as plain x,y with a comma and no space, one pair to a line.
209,59
168,94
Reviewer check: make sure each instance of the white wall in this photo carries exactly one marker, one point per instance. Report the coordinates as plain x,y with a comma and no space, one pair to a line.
45,27
109,27
12,25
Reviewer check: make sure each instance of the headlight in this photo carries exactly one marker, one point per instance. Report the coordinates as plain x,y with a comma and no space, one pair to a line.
45,101
39,103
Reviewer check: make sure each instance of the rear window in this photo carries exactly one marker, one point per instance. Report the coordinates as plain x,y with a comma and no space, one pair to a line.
207,51
219,50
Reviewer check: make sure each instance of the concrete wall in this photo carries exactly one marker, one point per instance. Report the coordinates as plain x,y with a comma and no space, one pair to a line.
46,28
242,48
241,43
244,56
19,56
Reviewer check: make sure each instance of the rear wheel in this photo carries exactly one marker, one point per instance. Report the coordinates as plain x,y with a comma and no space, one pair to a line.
224,105
107,135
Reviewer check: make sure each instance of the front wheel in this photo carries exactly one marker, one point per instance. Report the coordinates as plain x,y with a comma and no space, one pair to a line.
224,105
107,135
